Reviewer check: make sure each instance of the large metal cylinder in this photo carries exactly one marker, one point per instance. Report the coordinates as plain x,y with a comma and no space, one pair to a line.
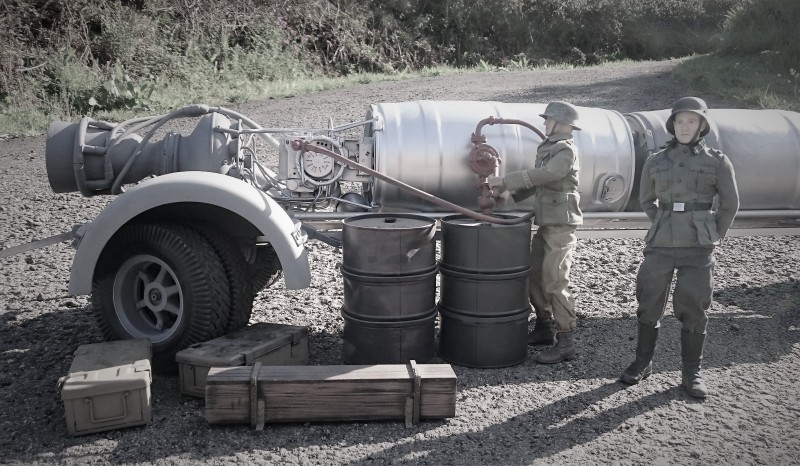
763,146
426,144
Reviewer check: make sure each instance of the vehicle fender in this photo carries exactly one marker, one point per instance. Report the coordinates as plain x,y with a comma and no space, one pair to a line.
285,236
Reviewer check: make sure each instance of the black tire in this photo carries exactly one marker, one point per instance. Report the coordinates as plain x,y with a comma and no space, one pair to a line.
241,290
264,268
161,282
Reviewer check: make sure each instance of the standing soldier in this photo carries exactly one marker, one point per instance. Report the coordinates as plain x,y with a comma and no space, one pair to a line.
553,183
678,187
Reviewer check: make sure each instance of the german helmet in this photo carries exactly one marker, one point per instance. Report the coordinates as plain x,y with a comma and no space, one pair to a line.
562,112
689,104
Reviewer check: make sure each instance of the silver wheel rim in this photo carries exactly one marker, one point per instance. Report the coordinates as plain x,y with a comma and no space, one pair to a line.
148,299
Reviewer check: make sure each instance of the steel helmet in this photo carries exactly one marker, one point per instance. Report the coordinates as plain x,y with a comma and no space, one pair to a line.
562,112
689,104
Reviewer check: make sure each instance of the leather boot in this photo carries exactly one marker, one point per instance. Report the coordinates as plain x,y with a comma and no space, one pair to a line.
544,333
691,356
642,366
564,350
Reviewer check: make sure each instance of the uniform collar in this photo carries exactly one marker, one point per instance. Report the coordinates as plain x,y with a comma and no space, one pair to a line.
696,147
555,137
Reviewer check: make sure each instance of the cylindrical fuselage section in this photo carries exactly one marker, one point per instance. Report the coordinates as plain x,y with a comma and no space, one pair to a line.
426,144
763,146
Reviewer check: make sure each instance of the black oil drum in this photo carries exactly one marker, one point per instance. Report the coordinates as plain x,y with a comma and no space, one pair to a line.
481,247
489,295
375,297
484,342
388,244
389,273
484,303
395,342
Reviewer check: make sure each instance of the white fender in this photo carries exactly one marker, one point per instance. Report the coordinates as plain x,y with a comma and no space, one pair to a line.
223,191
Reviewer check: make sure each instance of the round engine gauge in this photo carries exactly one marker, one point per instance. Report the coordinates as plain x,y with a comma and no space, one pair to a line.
317,165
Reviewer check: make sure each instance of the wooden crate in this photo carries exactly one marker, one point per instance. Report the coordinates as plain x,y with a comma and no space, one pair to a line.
268,343
263,394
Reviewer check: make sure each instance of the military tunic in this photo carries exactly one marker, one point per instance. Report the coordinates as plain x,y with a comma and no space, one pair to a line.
679,187
553,183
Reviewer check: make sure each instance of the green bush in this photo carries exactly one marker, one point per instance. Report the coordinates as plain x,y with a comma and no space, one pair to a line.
767,27
81,57
759,59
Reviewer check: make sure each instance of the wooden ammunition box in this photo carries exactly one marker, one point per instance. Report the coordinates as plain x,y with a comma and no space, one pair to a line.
108,386
270,344
264,394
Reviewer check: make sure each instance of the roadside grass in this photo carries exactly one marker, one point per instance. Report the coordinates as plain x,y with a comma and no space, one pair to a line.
746,79
752,80
19,121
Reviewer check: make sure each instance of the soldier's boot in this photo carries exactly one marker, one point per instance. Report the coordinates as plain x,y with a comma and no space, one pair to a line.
563,350
691,357
544,333
642,366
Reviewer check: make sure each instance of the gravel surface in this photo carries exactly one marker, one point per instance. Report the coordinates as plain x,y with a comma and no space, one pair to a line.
574,412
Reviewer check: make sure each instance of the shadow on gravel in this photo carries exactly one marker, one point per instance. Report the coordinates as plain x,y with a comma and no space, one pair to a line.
34,353
746,325
529,436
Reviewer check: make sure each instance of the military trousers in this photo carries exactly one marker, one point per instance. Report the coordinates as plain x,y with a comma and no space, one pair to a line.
551,259
694,285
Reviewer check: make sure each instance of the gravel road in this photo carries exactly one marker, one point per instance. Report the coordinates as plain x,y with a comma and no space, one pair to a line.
574,412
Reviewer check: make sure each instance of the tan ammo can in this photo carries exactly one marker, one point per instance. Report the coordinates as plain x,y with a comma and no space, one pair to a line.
108,386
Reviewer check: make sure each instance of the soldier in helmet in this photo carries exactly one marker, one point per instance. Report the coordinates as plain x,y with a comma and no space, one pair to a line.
553,183
679,185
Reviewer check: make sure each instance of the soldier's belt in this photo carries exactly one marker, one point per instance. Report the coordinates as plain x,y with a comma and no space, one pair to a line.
684,206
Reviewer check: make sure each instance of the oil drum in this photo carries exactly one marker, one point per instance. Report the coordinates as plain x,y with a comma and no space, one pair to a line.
482,247
377,297
388,244
389,274
393,342
484,302
484,342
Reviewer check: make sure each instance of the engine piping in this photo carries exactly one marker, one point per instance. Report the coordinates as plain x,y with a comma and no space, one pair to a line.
298,144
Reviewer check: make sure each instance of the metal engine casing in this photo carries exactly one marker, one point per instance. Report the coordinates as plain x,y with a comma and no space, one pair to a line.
426,145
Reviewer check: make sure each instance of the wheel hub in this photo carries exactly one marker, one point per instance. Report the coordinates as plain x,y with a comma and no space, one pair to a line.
154,297
148,299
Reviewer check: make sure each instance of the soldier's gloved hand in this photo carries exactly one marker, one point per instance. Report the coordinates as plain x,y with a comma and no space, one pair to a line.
496,182
503,199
